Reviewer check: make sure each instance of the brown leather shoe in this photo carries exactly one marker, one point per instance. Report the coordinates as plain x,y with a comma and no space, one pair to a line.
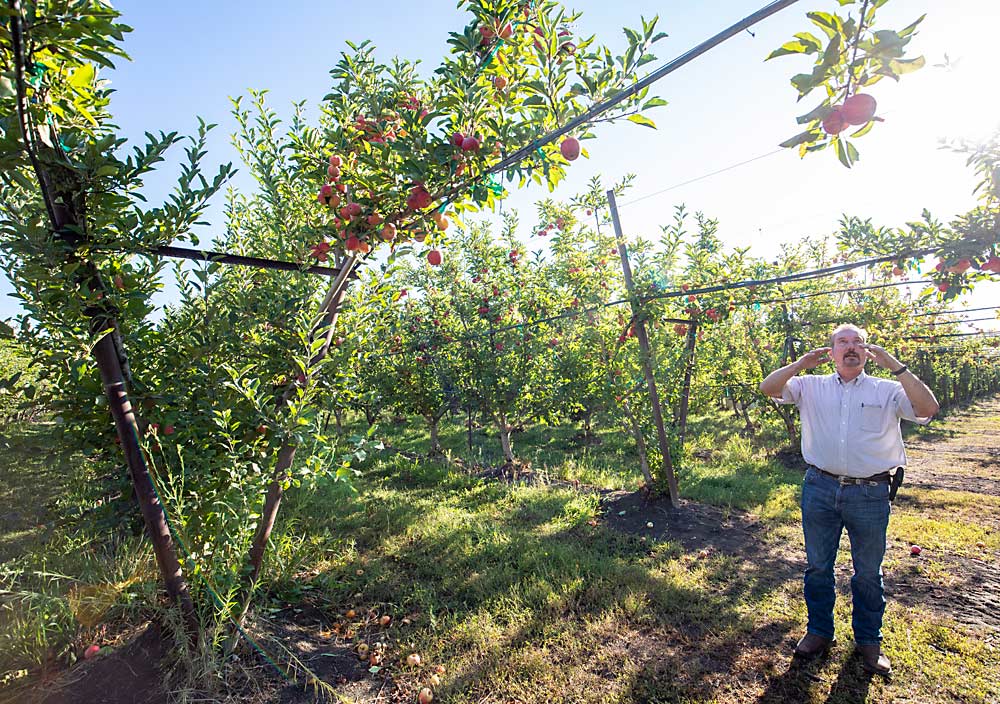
812,646
873,661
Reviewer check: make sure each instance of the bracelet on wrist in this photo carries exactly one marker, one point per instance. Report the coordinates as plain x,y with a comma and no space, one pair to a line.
899,371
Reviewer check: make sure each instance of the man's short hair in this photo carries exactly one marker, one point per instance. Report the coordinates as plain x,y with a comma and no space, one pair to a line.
862,333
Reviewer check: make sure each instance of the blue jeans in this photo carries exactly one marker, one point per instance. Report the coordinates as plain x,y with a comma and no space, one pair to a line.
827,508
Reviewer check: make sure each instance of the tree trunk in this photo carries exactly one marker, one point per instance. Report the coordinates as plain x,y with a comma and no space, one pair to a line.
286,455
640,444
433,422
468,425
272,502
106,355
338,417
505,444
692,338
65,208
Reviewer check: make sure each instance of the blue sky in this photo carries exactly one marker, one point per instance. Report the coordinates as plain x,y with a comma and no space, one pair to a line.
725,108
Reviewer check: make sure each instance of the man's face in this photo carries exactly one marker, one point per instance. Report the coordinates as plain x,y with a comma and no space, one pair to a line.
849,353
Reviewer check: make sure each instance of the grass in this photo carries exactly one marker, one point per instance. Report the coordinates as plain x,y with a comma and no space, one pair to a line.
521,598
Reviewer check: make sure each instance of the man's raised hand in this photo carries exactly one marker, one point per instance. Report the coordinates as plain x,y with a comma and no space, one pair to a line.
814,358
881,357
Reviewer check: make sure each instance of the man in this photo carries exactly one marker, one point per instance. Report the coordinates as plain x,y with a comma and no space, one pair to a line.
851,441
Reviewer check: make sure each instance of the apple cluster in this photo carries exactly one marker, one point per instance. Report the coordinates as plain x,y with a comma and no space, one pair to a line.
858,109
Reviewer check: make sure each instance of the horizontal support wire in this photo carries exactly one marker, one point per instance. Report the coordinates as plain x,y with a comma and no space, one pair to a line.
241,260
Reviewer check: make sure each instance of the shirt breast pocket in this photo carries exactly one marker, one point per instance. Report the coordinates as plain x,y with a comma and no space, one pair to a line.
871,417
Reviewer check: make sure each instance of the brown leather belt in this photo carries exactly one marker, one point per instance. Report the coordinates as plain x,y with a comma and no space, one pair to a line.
873,479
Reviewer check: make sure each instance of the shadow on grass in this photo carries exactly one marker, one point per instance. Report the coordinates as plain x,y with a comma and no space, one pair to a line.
500,573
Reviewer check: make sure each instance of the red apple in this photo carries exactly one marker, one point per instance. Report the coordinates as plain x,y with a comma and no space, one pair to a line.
507,31
859,109
419,198
943,286
570,148
457,139
426,696
374,219
388,232
354,209
499,82
168,430
915,550
326,191
834,123
413,660
434,257
333,173
470,144
91,651
336,161
352,244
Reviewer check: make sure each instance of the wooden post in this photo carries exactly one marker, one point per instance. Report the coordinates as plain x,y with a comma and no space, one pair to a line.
692,337
646,356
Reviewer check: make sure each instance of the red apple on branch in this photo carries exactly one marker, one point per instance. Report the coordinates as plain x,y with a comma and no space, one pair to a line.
859,109
570,148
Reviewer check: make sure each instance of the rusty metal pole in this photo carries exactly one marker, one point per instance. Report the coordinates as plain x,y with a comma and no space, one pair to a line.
645,356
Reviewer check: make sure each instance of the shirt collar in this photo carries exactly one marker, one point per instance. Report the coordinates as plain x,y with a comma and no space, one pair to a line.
856,381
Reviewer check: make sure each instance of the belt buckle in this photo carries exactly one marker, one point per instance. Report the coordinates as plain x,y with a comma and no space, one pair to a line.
845,480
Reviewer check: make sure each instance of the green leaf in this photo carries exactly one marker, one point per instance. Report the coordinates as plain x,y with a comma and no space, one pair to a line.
864,130
911,28
846,152
642,120
817,113
802,138
793,47
830,24
904,66
654,103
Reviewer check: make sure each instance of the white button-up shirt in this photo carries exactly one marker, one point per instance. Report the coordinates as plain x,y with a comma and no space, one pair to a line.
851,428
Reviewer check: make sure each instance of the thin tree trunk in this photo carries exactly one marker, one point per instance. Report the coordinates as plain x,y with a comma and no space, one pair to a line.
692,338
468,426
505,443
65,209
640,444
432,423
286,454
